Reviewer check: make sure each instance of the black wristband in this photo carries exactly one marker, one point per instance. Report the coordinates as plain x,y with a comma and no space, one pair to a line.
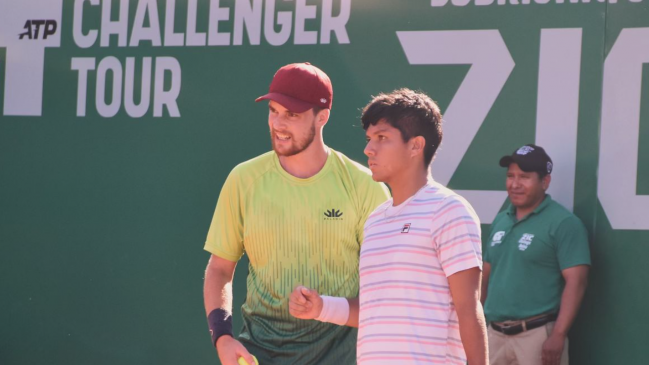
220,323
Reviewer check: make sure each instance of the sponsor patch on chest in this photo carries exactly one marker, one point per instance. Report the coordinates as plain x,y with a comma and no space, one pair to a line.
497,238
525,241
333,215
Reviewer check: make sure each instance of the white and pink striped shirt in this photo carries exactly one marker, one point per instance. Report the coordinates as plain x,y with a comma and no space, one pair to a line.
406,310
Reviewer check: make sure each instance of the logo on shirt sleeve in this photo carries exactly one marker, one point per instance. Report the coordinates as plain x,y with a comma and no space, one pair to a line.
525,241
497,238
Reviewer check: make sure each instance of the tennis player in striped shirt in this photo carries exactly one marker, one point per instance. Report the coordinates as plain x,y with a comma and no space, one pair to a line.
420,264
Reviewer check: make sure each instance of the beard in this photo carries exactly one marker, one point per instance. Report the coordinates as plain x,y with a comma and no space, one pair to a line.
296,146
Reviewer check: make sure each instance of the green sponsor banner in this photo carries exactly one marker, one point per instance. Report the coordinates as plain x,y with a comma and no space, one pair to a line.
120,120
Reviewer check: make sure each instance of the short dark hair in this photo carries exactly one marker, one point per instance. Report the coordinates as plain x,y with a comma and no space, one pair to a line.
412,113
317,109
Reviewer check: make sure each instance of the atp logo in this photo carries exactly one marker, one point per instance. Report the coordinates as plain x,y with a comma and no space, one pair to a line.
333,214
33,27
27,27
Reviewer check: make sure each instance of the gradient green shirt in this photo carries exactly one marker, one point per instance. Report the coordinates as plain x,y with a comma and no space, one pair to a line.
295,232
527,257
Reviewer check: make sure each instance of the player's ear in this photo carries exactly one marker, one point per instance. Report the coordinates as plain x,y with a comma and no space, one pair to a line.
322,117
545,182
417,145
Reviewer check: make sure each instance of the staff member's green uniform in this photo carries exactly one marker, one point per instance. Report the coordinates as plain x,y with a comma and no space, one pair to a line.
295,232
527,258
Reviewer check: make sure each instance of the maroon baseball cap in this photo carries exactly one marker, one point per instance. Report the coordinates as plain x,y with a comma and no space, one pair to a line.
299,87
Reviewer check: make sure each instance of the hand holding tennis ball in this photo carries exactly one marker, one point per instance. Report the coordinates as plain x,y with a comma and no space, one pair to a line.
243,361
232,352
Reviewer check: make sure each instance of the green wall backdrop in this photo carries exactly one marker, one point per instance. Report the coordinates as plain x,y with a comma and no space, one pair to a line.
113,148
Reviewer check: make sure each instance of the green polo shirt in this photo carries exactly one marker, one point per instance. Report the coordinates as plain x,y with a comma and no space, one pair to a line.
527,257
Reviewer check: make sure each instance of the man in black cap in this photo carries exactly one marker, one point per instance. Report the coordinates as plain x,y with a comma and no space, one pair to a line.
536,262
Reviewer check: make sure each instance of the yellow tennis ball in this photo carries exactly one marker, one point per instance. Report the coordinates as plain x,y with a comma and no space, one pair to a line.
243,361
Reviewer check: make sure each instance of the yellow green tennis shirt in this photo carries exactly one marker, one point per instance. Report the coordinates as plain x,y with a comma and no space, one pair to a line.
295,232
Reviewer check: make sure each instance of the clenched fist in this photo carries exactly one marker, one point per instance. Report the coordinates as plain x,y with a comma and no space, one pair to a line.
305,303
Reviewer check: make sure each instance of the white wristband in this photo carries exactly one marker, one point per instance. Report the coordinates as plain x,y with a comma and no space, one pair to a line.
334,310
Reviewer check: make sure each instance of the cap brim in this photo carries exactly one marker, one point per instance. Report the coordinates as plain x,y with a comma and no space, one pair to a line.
505,161
292,104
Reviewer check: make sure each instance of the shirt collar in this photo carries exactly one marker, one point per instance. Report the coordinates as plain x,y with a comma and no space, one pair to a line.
511,210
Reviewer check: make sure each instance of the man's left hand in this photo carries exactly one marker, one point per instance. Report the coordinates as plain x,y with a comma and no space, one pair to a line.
552,349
